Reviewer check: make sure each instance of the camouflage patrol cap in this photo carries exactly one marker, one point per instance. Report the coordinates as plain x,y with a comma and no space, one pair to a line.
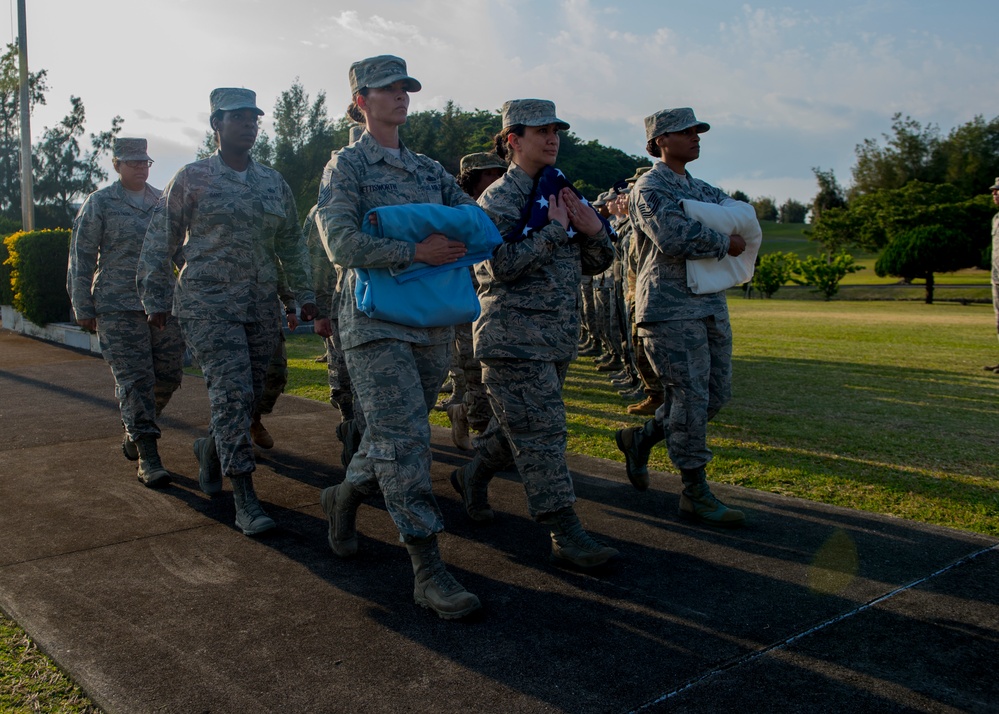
227,99
995,186
600,200
531,112
481,160
380,71
130,149
670,120
638,174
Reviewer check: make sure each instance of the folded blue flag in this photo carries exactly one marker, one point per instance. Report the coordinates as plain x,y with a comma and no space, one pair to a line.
415,221
423,295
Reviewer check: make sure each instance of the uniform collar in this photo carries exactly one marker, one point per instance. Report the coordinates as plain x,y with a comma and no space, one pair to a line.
375,152
520,178
220,168
669,174
118,193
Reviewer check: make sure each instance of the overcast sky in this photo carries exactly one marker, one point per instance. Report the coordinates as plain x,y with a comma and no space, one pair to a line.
785,86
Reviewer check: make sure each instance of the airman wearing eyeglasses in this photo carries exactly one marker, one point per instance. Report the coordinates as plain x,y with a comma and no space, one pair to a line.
104,254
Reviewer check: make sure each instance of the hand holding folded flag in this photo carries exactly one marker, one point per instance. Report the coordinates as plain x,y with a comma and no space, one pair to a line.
551,182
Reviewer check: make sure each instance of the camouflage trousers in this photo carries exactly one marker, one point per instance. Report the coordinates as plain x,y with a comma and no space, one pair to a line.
147,364
466,374
646,372
693,359
995,303
396,384
461,355
276,378
233,358
341,394
528,429
603,305
587,309
620,329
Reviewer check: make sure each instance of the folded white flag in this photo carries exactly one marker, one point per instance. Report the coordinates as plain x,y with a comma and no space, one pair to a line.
731,218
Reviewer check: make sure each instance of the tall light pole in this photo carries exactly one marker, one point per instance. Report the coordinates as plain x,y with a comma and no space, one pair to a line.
27,197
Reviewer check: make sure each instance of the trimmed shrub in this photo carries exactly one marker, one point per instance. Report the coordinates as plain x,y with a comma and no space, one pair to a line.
37,264
773,270
825,272
6,291
8,226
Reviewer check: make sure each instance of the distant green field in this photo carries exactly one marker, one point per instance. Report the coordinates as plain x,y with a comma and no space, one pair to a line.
794,238
788,237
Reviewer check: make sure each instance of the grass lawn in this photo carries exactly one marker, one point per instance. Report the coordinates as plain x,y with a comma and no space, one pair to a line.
30,682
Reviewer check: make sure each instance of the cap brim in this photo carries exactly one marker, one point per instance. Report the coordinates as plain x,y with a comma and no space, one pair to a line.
258,110
134,157
412,85
561,125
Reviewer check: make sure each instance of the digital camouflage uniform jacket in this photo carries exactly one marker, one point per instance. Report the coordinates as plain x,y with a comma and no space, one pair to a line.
358,178
324,273
104,252
529,290
664,238
230,233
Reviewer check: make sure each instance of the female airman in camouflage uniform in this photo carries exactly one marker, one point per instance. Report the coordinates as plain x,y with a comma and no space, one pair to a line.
687,337
528,333
395,369
147,363
234,221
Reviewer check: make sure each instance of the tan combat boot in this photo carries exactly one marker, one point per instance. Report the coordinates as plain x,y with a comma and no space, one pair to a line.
571,545
250,516
458,414
209,467
340,504
258,432
434,587
636,444
648,406
151,472
128,447
471,481
697,503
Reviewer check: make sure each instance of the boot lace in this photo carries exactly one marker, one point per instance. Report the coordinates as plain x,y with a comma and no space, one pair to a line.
573,532
437,572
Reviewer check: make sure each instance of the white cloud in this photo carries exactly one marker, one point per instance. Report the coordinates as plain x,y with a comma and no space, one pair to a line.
379,31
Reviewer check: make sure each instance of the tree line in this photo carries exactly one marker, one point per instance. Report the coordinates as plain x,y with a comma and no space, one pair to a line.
918,198
65,165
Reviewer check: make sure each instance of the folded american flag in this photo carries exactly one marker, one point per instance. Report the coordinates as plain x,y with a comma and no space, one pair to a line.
535,215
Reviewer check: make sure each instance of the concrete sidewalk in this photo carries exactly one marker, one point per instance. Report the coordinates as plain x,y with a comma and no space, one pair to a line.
153,602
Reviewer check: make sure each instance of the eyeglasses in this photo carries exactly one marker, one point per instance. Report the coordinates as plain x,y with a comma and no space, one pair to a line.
138,164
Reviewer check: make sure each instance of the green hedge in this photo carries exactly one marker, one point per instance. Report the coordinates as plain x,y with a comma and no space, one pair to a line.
8,226
6,291
37,262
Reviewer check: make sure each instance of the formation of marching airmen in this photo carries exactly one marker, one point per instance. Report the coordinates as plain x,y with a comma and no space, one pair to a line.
502,276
